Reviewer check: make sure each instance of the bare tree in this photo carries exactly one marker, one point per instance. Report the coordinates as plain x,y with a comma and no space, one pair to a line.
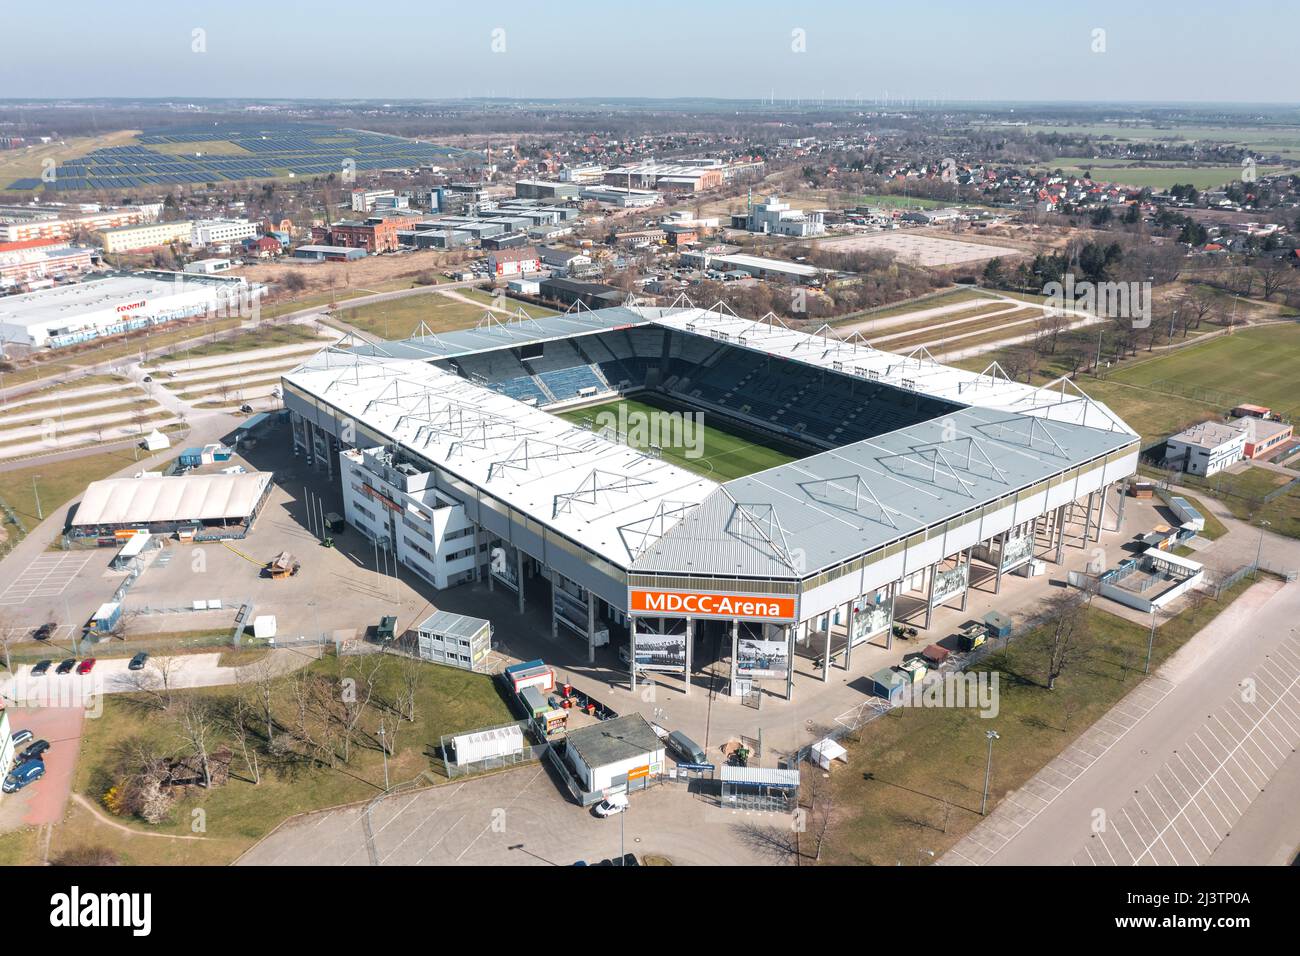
1065,620
196,726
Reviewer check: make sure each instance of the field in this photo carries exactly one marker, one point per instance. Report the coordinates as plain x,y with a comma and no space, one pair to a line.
718,450
441,312
1259,365
924,250
913,783
27,162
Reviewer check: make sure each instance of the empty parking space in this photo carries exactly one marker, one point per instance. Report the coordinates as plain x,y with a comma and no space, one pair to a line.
47,576
1181,815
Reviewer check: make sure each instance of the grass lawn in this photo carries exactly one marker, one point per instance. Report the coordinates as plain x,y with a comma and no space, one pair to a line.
57,482
399,318
241,812
130,346
718,450
951,297
507,303
265,337
1259,365
911,768
1242,494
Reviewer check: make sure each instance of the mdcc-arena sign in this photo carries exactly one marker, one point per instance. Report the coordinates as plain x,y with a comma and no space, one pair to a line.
701,604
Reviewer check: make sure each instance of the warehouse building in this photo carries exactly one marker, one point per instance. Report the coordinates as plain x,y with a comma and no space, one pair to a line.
539,189
776,218
70,314
913,472
614,756
204,507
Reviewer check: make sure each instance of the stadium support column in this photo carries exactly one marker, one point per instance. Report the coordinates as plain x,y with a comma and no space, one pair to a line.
632,623
1002,546
1060,534
735,650
591,627
690,640
848,643
1087,519
1123,497
965,592
929,594
1101,511
555,618
889,628
519,579
789,659
826,654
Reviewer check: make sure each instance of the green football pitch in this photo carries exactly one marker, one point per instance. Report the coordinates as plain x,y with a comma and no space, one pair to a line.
714,447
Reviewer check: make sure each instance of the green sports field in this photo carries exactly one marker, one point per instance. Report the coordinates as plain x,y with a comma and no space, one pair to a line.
718,450
1259,365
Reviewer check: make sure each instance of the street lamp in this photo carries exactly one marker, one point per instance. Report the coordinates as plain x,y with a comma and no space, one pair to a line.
1151,641
383,748
992,735
1259,550
37,495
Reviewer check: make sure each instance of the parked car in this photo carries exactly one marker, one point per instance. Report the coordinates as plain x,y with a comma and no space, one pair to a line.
22,775
148,378
86,666
44,632
137,662
21,737
66,667
34,751
615,803
245,407
40,667
685,749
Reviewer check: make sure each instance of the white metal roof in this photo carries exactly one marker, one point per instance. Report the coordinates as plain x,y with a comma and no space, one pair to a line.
623,505
606,496
177,498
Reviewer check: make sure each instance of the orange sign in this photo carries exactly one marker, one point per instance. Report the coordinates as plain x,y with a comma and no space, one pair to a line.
636,773
695,604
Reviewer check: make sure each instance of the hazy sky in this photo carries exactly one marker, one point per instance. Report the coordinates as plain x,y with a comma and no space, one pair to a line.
1194,50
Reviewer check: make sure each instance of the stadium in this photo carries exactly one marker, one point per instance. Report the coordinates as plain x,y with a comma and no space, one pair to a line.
830,488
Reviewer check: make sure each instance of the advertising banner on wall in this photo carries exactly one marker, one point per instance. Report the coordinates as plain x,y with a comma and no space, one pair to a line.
870,616
762,658
660,652
1016,551
950,583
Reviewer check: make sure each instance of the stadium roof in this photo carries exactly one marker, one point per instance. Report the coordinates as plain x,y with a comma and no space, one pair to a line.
181,498
642,513
494,333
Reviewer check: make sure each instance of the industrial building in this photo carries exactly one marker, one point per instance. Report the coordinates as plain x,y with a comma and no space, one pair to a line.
913,472
777,218
621,196
76,313
539,189
198,506
217,232
666,177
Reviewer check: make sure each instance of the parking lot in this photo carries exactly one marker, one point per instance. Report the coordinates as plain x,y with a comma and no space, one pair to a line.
518,817
1181,815
924,250
45,800
46,577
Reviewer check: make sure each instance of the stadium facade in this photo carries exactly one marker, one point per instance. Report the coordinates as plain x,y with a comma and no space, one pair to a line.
449,454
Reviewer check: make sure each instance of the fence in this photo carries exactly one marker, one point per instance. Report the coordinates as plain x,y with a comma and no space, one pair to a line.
528,753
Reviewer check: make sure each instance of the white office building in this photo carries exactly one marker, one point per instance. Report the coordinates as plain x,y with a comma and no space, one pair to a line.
216,232
393,502
1207,448
777,218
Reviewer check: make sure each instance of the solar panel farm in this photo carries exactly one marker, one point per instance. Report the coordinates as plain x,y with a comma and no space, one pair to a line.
202,154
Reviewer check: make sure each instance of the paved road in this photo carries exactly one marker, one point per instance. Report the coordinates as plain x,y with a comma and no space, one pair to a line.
1218,738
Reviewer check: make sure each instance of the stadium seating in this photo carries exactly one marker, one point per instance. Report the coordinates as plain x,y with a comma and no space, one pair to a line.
813,406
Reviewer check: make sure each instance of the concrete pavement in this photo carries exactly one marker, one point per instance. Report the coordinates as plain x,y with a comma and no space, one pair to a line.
1169,785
